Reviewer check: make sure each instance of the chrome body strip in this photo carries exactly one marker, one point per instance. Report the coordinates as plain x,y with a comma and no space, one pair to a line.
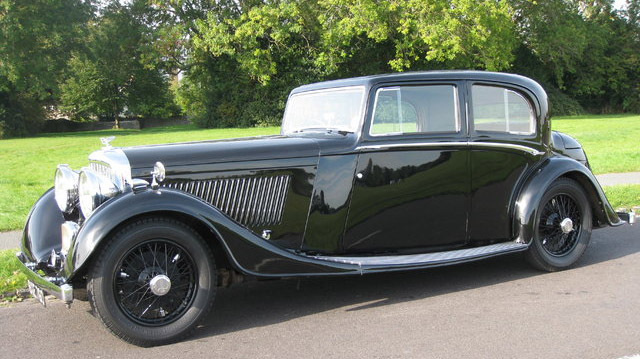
527,149
425,259
421,144
530,150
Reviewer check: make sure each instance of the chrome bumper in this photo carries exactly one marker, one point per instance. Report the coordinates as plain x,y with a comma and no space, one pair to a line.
629,217
55,286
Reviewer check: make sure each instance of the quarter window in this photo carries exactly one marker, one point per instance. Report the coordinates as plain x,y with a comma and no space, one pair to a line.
415,109
498,109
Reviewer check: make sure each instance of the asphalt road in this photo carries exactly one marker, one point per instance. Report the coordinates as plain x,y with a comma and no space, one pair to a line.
497,308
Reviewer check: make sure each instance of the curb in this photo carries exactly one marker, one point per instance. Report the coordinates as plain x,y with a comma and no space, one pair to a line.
614,179
10,240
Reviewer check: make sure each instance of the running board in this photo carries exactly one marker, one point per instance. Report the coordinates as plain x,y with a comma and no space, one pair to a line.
427,259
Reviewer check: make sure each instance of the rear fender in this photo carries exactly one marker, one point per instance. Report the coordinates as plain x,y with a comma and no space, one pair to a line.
536,185
247,252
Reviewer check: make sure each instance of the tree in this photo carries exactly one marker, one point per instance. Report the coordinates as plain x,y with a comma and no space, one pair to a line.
243,57
36,39
110,76
328,33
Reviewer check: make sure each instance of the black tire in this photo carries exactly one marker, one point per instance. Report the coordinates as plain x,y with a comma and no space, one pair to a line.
553,249
143,250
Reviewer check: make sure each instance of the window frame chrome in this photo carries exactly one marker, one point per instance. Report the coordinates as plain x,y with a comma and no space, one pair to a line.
382,87
523,93
363,104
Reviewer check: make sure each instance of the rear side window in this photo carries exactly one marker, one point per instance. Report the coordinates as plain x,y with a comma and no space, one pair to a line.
497,109
415,109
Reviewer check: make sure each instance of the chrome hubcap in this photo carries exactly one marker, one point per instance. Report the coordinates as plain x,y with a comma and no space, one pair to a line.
160,285
566,225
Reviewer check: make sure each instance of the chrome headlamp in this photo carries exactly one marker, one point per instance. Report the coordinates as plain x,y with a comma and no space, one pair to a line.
66,188
93,190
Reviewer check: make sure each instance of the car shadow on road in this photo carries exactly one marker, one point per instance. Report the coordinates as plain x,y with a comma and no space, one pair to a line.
262,303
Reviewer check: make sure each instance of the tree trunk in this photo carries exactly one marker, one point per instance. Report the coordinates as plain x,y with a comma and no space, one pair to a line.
115,116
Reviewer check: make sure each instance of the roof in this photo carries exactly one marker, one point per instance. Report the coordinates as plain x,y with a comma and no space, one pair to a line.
451,75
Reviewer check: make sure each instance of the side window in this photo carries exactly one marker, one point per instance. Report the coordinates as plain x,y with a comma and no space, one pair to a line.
415,109
498,109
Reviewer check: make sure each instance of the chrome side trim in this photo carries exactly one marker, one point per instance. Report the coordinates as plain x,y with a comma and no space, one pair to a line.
421,144
426,259
530,150
251,201
527,149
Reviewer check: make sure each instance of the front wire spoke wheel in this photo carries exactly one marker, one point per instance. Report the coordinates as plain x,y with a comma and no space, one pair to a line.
155,306
153,282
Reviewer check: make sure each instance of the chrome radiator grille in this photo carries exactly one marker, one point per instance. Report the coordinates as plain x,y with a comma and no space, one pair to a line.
254,201
103,169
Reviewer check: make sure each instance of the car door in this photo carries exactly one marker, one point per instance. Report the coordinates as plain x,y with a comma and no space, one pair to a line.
505,142
411,192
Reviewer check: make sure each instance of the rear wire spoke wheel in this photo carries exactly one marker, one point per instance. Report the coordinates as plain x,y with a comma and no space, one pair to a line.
153,282
562,228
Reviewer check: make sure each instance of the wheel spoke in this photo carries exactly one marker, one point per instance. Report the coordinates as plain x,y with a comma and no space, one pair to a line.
141,264
553,238
148,307
134,292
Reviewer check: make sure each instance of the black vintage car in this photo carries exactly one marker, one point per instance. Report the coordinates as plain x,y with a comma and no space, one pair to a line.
371,174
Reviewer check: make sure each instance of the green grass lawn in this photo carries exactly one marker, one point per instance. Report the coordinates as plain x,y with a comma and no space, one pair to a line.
28,164
612,142
626,196
11,277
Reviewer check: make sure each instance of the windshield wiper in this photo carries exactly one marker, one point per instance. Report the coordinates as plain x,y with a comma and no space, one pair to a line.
323,129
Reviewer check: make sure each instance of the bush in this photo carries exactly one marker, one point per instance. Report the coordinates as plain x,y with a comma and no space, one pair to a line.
631,103
20,115
561,104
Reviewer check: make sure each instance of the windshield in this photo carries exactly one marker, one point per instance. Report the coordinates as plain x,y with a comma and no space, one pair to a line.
337,109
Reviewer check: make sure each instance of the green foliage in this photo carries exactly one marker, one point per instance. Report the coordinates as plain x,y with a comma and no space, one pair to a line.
20,114
274,46
273,36
561,104
36,38
110,76
460,33
580,50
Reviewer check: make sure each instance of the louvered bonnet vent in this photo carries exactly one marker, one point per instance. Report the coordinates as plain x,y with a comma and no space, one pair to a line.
251,201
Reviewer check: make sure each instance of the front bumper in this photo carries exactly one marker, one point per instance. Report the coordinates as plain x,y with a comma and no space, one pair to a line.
55,286
42,237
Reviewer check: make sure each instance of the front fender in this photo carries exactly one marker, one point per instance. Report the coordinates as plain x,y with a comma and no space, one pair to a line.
528,201
246,251
41,232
